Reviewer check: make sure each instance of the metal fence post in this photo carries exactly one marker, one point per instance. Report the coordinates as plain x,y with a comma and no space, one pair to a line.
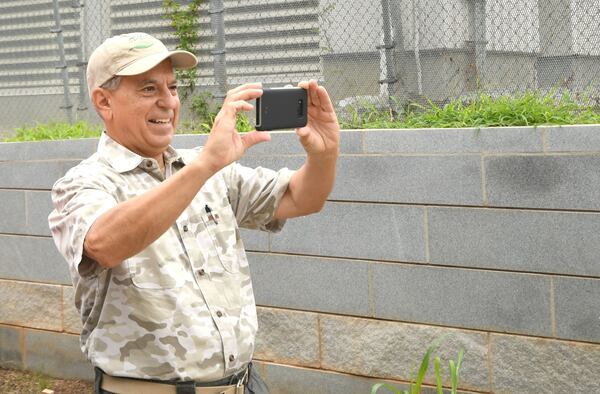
217,26
416,23
476,43
81,61
63,61
94,29
387,52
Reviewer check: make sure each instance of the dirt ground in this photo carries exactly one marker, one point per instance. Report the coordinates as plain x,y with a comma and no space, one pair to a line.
23,382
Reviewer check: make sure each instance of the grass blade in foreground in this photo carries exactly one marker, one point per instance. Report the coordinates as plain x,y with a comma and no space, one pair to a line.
393,389
455,370
425,365
438,377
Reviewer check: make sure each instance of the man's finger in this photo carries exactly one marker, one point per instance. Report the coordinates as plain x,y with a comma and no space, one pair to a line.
303,84
246,94
234,107
254,137
314,96
251,85
324,99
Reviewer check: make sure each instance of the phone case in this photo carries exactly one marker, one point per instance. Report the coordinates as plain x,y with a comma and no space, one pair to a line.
281,108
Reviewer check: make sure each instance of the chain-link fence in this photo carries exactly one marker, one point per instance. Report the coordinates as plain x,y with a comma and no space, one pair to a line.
379,51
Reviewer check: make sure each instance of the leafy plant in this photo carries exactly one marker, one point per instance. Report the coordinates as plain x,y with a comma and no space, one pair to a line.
415,384
55,131
525,109
185,22
204,114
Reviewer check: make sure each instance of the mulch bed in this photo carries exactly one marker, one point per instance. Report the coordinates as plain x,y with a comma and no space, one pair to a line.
25,382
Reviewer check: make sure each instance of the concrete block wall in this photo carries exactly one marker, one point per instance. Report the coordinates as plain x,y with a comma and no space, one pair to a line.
487,236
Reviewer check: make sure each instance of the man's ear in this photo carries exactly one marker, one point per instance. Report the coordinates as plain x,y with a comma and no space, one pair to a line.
102,101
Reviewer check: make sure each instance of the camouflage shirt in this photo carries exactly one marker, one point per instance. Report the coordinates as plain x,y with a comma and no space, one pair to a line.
183,308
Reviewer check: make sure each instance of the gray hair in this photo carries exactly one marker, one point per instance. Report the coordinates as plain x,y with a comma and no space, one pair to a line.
112,83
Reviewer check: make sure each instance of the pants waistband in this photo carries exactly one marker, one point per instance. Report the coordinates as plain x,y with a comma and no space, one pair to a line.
120,385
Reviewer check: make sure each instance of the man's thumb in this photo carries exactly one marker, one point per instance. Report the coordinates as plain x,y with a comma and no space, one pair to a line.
253,138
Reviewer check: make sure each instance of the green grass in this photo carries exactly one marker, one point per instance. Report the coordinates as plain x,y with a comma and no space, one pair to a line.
204,112
243,125
55,131
525,109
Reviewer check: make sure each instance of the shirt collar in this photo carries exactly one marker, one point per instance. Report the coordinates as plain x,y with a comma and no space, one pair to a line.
122,159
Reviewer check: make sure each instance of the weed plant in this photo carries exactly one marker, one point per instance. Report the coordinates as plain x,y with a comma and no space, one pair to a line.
55,131
525,109
416,383
204,114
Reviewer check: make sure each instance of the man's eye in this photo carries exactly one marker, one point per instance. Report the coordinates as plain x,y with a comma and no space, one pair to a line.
148,89
173,87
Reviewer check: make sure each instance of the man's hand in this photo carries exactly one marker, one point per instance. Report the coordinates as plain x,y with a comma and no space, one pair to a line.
311,184
321,135
224,144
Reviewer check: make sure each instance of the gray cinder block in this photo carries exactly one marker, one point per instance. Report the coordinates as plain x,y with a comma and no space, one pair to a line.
32,258
287,337
315,284
39,206
33,174
569,182
467,140
12,211
577,303
11,353
572,138
516,240
374,231
535,365
486,300
293,380
394,350
57,355
410,179
255,240
31,305
48,150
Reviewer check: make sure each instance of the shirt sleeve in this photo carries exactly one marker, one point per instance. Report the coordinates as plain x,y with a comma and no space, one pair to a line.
255,194
78,201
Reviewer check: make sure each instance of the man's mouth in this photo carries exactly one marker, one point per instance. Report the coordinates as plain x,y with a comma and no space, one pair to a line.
160,121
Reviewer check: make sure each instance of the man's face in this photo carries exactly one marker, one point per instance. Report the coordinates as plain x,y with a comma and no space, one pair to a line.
145,110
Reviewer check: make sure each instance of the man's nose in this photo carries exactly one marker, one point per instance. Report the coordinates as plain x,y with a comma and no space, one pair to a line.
167,99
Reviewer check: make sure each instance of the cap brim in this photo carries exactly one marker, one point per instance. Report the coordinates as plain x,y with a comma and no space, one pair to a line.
179,60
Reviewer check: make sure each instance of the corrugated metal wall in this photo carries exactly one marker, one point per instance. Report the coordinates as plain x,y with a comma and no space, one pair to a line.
29,50
277,40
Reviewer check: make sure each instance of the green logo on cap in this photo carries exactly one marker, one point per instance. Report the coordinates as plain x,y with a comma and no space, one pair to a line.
143,45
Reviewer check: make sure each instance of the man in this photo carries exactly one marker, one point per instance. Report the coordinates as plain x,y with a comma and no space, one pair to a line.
151,233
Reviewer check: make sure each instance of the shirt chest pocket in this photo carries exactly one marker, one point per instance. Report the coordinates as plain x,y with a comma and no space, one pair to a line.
158,266
217,235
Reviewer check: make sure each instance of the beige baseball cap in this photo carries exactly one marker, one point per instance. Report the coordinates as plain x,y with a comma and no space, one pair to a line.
131,54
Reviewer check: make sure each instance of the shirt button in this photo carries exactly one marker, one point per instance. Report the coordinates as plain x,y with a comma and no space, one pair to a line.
148,164
201,272
185,228
219,313
231,358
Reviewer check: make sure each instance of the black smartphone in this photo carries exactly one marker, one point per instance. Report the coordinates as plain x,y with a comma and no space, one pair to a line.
281,108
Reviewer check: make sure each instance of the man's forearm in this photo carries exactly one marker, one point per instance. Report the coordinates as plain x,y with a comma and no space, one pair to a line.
132,225
309,187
